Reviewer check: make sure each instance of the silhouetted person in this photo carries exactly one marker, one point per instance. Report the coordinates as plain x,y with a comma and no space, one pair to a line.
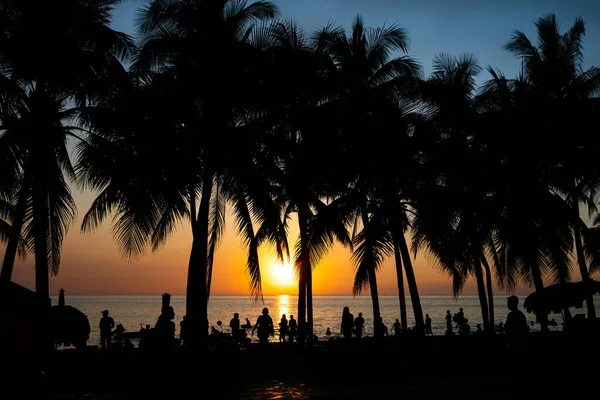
459,318
248,324
264,327
292,328
106,325
428,331
163,333
397,328
347,323
283,328
328,332
516,324
448,323
234,324
359,325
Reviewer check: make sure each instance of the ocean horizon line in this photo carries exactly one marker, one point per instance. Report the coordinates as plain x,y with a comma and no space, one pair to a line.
288,294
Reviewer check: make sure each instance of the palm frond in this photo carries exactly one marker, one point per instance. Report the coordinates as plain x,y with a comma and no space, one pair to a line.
245,228
372,246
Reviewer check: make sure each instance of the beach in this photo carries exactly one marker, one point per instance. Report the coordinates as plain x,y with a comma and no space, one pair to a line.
457,367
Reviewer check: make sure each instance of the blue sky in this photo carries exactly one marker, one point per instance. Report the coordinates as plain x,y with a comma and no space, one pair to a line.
480,27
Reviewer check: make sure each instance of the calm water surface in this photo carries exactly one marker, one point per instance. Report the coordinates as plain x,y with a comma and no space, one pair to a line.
134,311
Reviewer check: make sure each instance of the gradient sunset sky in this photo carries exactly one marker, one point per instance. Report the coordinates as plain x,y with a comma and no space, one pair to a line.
91,263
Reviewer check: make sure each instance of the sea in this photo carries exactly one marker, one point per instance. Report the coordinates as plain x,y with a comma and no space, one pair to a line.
134,312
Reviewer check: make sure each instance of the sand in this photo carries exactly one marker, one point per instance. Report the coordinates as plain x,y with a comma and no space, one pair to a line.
426,368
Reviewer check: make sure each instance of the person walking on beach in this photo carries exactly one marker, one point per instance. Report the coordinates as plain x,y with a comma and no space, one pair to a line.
106,326
264,325
516,325
283,328
428,331
292,329
347,323
359,325
448,323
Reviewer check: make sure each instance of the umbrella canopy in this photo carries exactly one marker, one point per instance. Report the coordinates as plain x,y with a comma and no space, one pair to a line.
555,298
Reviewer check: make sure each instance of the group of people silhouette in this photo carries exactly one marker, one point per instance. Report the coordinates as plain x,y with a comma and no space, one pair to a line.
163,333
355,327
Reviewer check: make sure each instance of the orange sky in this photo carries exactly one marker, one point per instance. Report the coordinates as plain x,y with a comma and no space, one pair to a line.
91,264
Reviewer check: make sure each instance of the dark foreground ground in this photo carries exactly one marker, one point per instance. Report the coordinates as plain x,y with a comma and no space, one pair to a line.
554,367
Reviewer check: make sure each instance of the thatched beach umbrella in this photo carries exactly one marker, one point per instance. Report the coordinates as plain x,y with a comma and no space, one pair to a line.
555,298
68,325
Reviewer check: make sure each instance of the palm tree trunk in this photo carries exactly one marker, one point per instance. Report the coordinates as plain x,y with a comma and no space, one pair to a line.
41,221
401,294
490,290
196,299
378,333
412,287
13,241
481,292
303,276
585,275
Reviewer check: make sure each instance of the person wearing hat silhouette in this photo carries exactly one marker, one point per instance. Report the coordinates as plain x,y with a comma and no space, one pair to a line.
106,326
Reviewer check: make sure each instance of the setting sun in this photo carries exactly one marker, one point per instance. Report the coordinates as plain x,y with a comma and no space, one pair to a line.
282,275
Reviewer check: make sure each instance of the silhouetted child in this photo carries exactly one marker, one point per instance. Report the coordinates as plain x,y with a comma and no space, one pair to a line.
328,332
428,331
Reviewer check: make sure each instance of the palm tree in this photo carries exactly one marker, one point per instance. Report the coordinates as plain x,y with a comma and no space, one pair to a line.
371,85
553,84
198,177
37,119
303,137
455,126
